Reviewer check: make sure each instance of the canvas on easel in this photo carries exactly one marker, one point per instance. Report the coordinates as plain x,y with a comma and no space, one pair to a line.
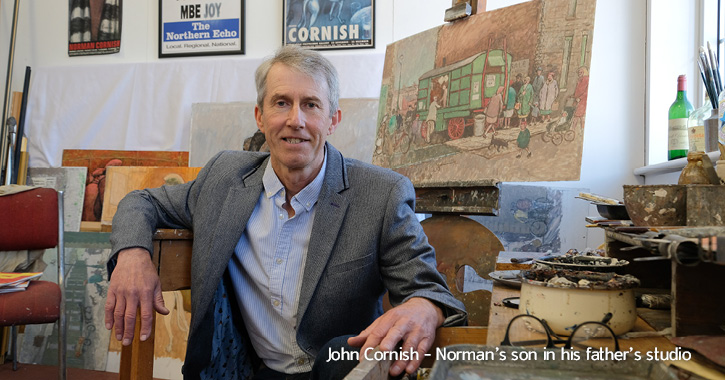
499,95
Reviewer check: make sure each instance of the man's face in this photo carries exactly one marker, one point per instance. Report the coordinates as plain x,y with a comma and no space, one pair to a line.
295,120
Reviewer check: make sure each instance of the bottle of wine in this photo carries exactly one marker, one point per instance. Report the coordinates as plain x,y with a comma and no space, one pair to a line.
677,142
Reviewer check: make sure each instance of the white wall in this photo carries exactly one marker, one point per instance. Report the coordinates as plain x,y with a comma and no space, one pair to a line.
615,136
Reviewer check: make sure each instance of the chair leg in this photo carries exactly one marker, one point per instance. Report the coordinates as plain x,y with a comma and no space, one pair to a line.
14,346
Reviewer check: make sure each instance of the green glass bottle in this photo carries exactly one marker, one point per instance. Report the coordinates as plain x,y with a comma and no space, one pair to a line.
677,142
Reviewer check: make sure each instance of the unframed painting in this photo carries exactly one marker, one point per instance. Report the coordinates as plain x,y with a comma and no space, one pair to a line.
501,95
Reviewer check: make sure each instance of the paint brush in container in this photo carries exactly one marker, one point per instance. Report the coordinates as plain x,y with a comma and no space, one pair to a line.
715,69
707,77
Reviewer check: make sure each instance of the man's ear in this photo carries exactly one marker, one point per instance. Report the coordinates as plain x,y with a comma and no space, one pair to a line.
336,119
258,118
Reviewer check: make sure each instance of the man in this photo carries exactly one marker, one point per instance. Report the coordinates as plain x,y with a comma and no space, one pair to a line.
292,249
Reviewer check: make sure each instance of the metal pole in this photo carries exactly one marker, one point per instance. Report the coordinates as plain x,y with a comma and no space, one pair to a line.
8,87
62,323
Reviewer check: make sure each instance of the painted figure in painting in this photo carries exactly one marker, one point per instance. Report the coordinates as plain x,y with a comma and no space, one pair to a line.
276,235
523,141
430,120
493,110
537,84
510,105
308,16
95,189
525,100
336,5
548,95
580,97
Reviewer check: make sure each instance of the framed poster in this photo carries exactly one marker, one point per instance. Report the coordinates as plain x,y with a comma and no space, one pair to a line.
200,27
329,24
94,27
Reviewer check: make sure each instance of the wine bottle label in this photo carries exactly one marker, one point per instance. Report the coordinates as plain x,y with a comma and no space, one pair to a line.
678,134
696,138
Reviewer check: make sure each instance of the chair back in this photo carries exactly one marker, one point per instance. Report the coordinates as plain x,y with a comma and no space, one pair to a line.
29,220
33,219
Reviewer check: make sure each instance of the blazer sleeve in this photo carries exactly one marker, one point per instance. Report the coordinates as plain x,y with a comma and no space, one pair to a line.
407,261
141,212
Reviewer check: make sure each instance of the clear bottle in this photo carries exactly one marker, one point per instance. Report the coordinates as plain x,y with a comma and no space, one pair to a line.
679,113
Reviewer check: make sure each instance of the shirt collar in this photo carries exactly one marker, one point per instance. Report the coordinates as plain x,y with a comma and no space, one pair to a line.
307,197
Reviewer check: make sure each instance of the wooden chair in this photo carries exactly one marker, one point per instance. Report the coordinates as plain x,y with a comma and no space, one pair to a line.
33,219
172,257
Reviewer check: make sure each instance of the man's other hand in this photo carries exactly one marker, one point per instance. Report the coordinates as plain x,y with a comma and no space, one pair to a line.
413,322
134,284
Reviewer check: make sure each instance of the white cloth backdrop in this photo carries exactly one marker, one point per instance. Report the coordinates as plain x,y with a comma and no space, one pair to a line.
147,106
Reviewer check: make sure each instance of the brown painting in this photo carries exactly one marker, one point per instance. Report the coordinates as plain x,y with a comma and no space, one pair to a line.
98,160
123,180
501,95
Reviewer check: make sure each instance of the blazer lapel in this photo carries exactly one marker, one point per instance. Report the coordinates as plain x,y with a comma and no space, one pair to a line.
233,216
331,208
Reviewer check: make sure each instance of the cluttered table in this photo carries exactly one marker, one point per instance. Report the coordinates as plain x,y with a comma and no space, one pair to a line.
642,337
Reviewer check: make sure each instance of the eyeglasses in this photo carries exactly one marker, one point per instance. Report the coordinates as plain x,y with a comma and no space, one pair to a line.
529,331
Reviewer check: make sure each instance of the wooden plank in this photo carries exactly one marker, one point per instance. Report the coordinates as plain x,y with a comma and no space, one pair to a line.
176,263
469,200
371,370
446,336
137,360
697,299
121,180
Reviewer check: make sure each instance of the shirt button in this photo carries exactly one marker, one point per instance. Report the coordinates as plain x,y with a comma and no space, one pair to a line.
281,216
300,361
279,261
275,302
308,204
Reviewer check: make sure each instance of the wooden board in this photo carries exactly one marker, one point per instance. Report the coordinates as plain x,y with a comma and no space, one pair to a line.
121,180
460,241
98,160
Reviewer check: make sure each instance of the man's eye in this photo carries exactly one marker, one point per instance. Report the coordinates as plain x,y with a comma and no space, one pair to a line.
281,103
311,105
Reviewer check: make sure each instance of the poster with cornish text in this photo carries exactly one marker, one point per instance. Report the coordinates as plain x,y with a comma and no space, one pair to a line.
329,24
94,27
198,27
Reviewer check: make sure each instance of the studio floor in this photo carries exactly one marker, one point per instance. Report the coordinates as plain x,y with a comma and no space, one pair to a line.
43,372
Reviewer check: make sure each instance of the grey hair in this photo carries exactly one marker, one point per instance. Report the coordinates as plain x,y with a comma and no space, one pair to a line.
308,62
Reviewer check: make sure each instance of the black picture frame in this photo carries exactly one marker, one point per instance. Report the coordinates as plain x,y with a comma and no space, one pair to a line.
189,28
329,25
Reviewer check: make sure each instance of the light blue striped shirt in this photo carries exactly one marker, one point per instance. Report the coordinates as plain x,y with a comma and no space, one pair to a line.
266,270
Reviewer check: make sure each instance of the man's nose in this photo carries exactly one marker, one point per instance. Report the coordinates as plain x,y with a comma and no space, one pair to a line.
296,118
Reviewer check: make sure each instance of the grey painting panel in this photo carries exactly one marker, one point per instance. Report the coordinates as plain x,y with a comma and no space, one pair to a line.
222,126
72,181
539,219
86,254
219,126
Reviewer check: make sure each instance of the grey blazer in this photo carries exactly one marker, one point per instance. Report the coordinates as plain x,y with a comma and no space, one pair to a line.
365,239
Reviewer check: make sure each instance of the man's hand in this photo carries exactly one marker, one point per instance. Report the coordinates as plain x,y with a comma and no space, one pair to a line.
134,283
414,322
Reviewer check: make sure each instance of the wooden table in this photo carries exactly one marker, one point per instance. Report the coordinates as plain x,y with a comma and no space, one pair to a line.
501,315
172,257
